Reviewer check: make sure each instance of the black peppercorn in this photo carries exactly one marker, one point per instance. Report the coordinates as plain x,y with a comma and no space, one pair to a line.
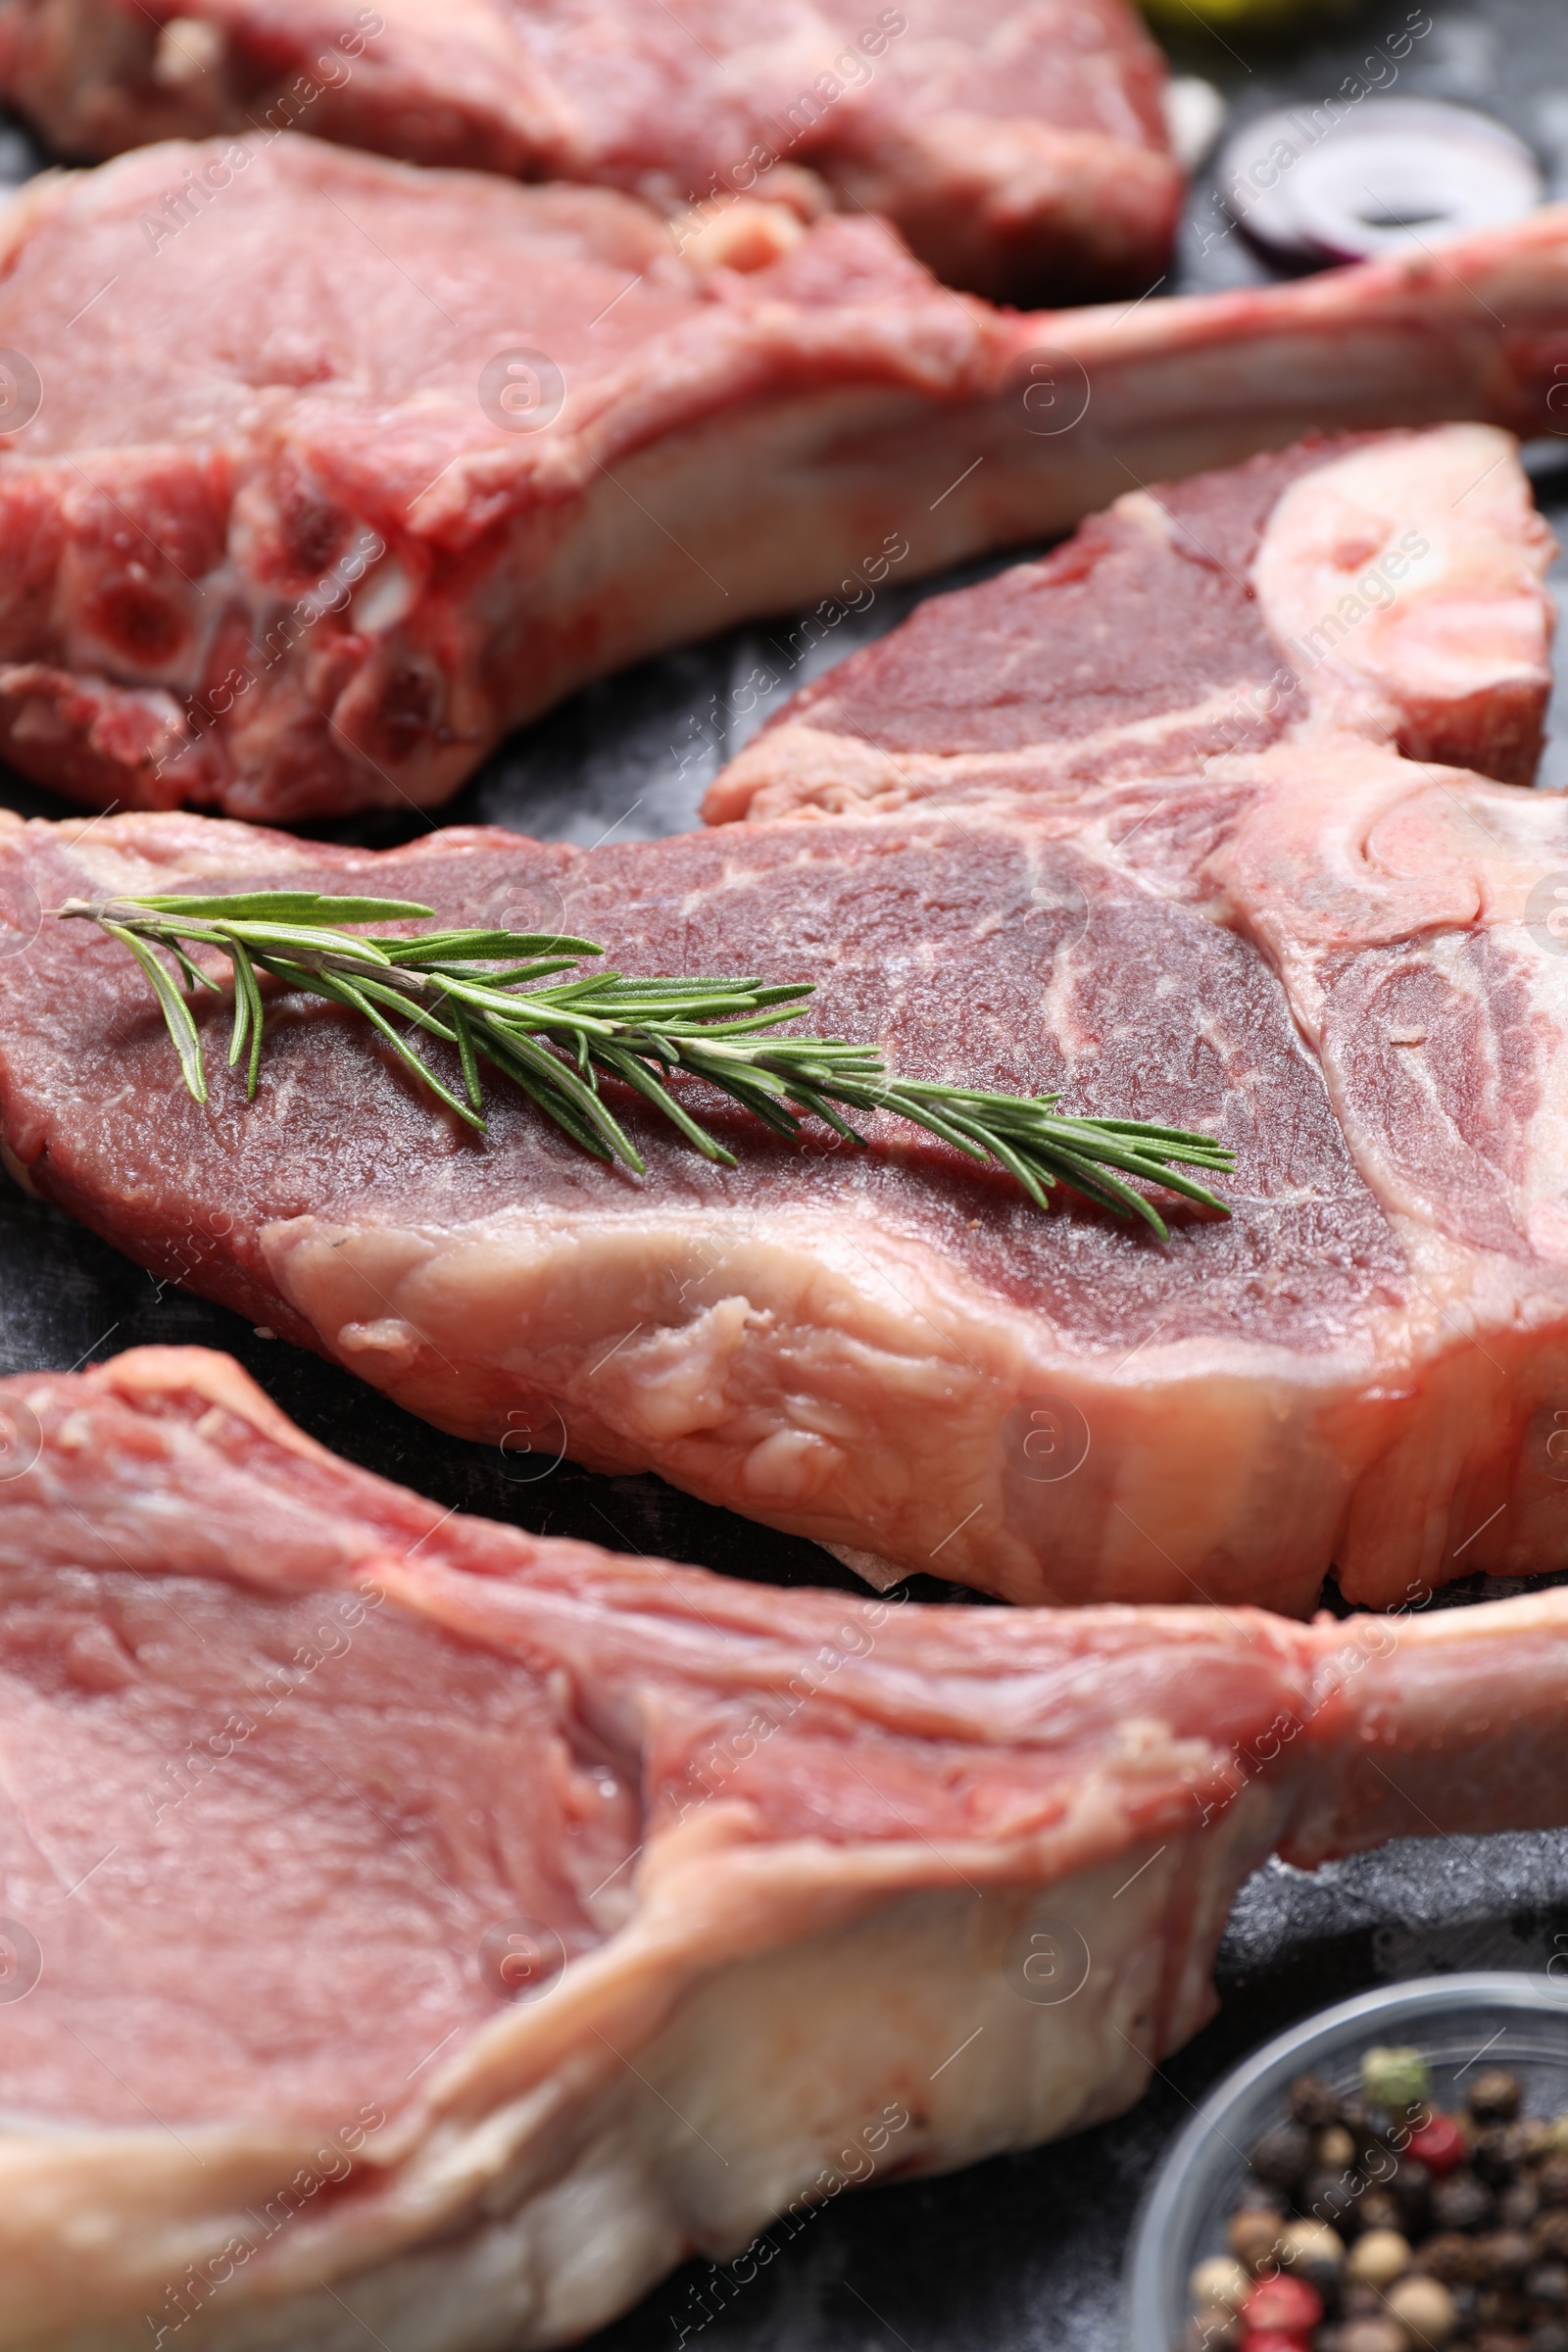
1331,2197
1547,2286
1411,2190
1506,2256
1451,2257
1283,2155
1378,2210
1314,2102
1494,2095
1462,2202
1518,2205
1496,2153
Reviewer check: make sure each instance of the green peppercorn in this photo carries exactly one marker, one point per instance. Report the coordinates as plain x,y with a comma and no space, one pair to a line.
1394,2079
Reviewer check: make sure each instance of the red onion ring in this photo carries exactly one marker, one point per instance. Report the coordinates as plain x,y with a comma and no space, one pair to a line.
1339,182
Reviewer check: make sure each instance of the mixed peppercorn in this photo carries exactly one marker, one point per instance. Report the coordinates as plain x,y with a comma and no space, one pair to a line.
1379,2223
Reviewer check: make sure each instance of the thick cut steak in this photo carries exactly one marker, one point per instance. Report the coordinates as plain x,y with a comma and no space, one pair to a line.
1021,148
1318,949
854,1346
323,472
413,1923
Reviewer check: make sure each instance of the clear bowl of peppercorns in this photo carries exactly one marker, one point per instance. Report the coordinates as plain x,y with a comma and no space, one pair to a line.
1390,2176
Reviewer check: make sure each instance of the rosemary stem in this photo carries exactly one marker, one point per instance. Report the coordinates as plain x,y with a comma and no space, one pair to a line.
557,1039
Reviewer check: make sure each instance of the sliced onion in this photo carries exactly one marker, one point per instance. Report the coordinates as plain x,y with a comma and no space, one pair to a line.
1339,182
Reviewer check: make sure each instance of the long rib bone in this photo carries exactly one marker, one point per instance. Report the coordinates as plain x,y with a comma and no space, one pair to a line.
407,1914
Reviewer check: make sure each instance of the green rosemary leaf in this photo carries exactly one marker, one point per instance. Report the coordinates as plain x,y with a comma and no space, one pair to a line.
192,973
557,1087
951,1130
1175,1182
1086,1177
756,1089
245,974
515,975
1152,1134
574,992
246,1013
297,941
636,1073
744,1025
1032,1170
397,1000
462,1028
1106,1150
360,999
490,947
820,1107
288,907
176,1011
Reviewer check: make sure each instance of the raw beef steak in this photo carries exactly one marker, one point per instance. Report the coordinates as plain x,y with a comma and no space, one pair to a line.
322,472
1021,149
422,1931
1391,586
1319,950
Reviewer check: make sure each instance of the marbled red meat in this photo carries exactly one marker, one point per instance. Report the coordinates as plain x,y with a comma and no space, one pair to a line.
1320,949
1137,618
815,1337
423,1927
1193,621
321,472
1021,149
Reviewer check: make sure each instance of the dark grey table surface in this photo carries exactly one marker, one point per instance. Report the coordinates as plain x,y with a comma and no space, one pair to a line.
1022,2254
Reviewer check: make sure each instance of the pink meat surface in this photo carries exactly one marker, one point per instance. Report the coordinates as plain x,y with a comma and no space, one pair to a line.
282,535
1021,149
1390,587
1315,947
407,1915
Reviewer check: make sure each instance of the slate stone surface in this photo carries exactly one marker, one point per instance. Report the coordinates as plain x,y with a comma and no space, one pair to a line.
1024,2253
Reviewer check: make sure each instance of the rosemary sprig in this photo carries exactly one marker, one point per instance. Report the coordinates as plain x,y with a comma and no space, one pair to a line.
487,994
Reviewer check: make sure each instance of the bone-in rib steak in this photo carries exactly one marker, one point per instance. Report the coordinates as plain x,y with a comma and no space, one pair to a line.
1392,588
480,1924
340,469
1021,149
1316,949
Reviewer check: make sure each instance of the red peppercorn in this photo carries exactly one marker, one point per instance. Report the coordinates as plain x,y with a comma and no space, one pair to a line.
1280,2307
1438,2144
